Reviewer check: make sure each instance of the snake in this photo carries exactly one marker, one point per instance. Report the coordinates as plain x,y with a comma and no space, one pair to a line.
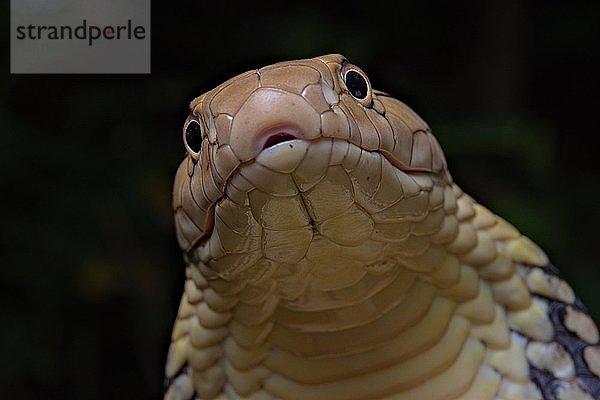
331,256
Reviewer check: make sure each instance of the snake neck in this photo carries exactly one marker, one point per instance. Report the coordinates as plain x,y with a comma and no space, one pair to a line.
392,325
390,321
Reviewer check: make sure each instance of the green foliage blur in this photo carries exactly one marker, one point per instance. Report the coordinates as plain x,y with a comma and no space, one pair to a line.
90,270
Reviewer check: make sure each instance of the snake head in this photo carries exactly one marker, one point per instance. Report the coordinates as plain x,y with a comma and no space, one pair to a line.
300,150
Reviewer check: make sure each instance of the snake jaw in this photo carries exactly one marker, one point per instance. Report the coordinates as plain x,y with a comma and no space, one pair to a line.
298,200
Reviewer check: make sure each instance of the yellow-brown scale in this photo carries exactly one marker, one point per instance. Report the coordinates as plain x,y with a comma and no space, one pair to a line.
344,263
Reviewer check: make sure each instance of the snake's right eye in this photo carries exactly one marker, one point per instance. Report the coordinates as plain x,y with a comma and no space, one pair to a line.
192,135
357,83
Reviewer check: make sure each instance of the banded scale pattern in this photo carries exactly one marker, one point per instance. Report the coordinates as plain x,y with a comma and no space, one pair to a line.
331,256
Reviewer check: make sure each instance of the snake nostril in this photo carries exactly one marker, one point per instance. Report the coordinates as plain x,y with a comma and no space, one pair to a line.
278,138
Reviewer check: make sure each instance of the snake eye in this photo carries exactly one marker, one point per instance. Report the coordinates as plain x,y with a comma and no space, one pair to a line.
357,83
192,135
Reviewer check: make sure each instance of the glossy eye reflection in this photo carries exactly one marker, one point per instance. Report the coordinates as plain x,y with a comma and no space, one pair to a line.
193,135
357,83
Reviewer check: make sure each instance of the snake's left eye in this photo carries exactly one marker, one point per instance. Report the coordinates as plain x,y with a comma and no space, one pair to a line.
192,135
357,83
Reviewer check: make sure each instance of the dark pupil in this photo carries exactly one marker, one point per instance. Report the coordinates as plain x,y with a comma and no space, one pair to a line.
193,136
356,84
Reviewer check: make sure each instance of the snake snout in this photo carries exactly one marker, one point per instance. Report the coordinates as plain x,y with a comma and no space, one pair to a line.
264,115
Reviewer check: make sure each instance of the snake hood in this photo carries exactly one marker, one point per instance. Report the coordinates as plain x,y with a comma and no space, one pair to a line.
330,256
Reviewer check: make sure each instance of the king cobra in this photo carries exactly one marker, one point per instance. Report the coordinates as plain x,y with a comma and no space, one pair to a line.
330,256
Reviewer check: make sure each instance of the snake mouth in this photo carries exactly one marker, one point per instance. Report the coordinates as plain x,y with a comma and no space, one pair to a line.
275,135
277,138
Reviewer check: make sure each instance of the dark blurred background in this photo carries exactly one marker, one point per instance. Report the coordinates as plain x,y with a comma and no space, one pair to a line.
90,271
